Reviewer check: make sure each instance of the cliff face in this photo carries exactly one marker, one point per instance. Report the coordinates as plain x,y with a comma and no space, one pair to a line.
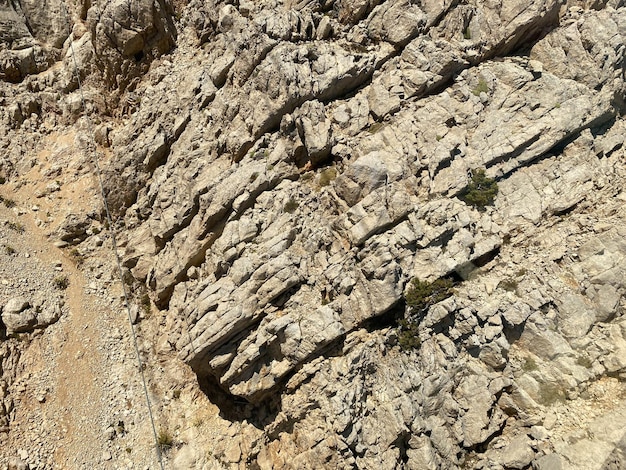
279,171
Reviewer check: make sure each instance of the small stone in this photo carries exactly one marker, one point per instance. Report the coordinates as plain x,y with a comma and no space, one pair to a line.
550,420
109,433
17,464
548,462
539,432
535,67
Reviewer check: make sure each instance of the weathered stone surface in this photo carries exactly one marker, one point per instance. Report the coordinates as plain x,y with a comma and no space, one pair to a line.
74,228
517,454
17,315
548,462
280,176
126,37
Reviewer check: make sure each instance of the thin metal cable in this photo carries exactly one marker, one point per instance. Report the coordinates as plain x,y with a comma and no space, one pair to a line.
140,363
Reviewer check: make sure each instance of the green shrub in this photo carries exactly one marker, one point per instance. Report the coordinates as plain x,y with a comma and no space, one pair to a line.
327,175
509,285
408,336
421,294
165,439
419,297
9,249
7,202
77,257
61,282
529,365
481,191
17,226
291,206
550,393
482,87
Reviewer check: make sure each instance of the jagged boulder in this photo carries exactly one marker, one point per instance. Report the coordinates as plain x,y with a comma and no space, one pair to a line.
128,36
17,315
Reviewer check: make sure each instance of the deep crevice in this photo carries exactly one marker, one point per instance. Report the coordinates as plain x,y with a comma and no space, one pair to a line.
559,146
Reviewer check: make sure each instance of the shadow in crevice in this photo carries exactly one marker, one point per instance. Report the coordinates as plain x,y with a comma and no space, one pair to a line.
236,409
388,319
263,414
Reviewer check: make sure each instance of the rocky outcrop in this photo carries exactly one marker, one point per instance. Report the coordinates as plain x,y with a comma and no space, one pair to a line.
266,263
128,36
31,37
281,176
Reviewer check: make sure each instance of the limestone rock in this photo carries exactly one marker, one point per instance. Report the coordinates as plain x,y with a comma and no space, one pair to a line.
126,38
73,230
17,315
278,172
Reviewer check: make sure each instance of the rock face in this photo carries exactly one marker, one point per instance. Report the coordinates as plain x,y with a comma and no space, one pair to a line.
127,36
281,176
31,37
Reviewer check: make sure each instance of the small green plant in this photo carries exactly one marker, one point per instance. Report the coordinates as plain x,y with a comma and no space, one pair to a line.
61,282
77,257
419,297
165,439
291,206
128,450
9,250
550,393
421,294
254,176
438,138
145,303
557,105
467,33
529,365
482,87
7,202
584,361
176,394
408,336
509,285
481,191
327,175
17,226
197,421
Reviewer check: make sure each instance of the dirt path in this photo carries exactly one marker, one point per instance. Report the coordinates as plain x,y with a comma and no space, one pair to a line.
79,403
